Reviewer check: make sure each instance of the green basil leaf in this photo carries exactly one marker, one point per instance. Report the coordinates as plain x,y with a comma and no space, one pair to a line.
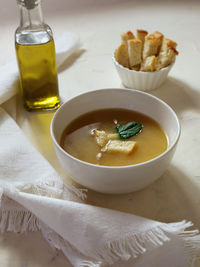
128,130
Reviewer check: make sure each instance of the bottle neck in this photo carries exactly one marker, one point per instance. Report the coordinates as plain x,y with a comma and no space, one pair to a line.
31,18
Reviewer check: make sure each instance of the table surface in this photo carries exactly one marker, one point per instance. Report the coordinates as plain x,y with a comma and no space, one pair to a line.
176,195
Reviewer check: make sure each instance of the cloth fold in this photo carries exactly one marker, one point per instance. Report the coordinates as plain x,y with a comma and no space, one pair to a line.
34,197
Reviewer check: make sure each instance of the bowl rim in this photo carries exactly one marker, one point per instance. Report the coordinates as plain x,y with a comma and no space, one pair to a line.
142,72
175,141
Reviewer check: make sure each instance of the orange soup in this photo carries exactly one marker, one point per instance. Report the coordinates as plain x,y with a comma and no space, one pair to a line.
114,137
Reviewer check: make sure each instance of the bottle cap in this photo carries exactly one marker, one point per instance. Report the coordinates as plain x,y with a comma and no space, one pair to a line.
29,4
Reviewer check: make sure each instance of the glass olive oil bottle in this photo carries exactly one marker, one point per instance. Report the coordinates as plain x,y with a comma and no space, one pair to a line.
35,51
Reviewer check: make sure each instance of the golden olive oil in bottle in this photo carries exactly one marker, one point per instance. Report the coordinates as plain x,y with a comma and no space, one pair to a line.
35,51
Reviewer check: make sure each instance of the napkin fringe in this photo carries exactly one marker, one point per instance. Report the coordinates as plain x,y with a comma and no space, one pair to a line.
190,238
54,188
18,222
80,193
132,245
136,244
15,218
24,221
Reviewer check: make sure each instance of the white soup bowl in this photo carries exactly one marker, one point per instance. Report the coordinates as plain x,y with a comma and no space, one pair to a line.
116,179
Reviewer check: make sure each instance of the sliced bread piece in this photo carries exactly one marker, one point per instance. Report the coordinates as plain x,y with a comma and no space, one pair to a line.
118,146
125,36
167,54
166,43
101,137
134,52
140,34
165,58
121,55
152,44
149,64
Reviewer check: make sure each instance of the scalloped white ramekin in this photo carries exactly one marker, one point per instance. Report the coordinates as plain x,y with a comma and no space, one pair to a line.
140,80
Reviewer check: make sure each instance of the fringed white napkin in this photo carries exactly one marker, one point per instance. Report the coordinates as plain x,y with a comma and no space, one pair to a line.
34,197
